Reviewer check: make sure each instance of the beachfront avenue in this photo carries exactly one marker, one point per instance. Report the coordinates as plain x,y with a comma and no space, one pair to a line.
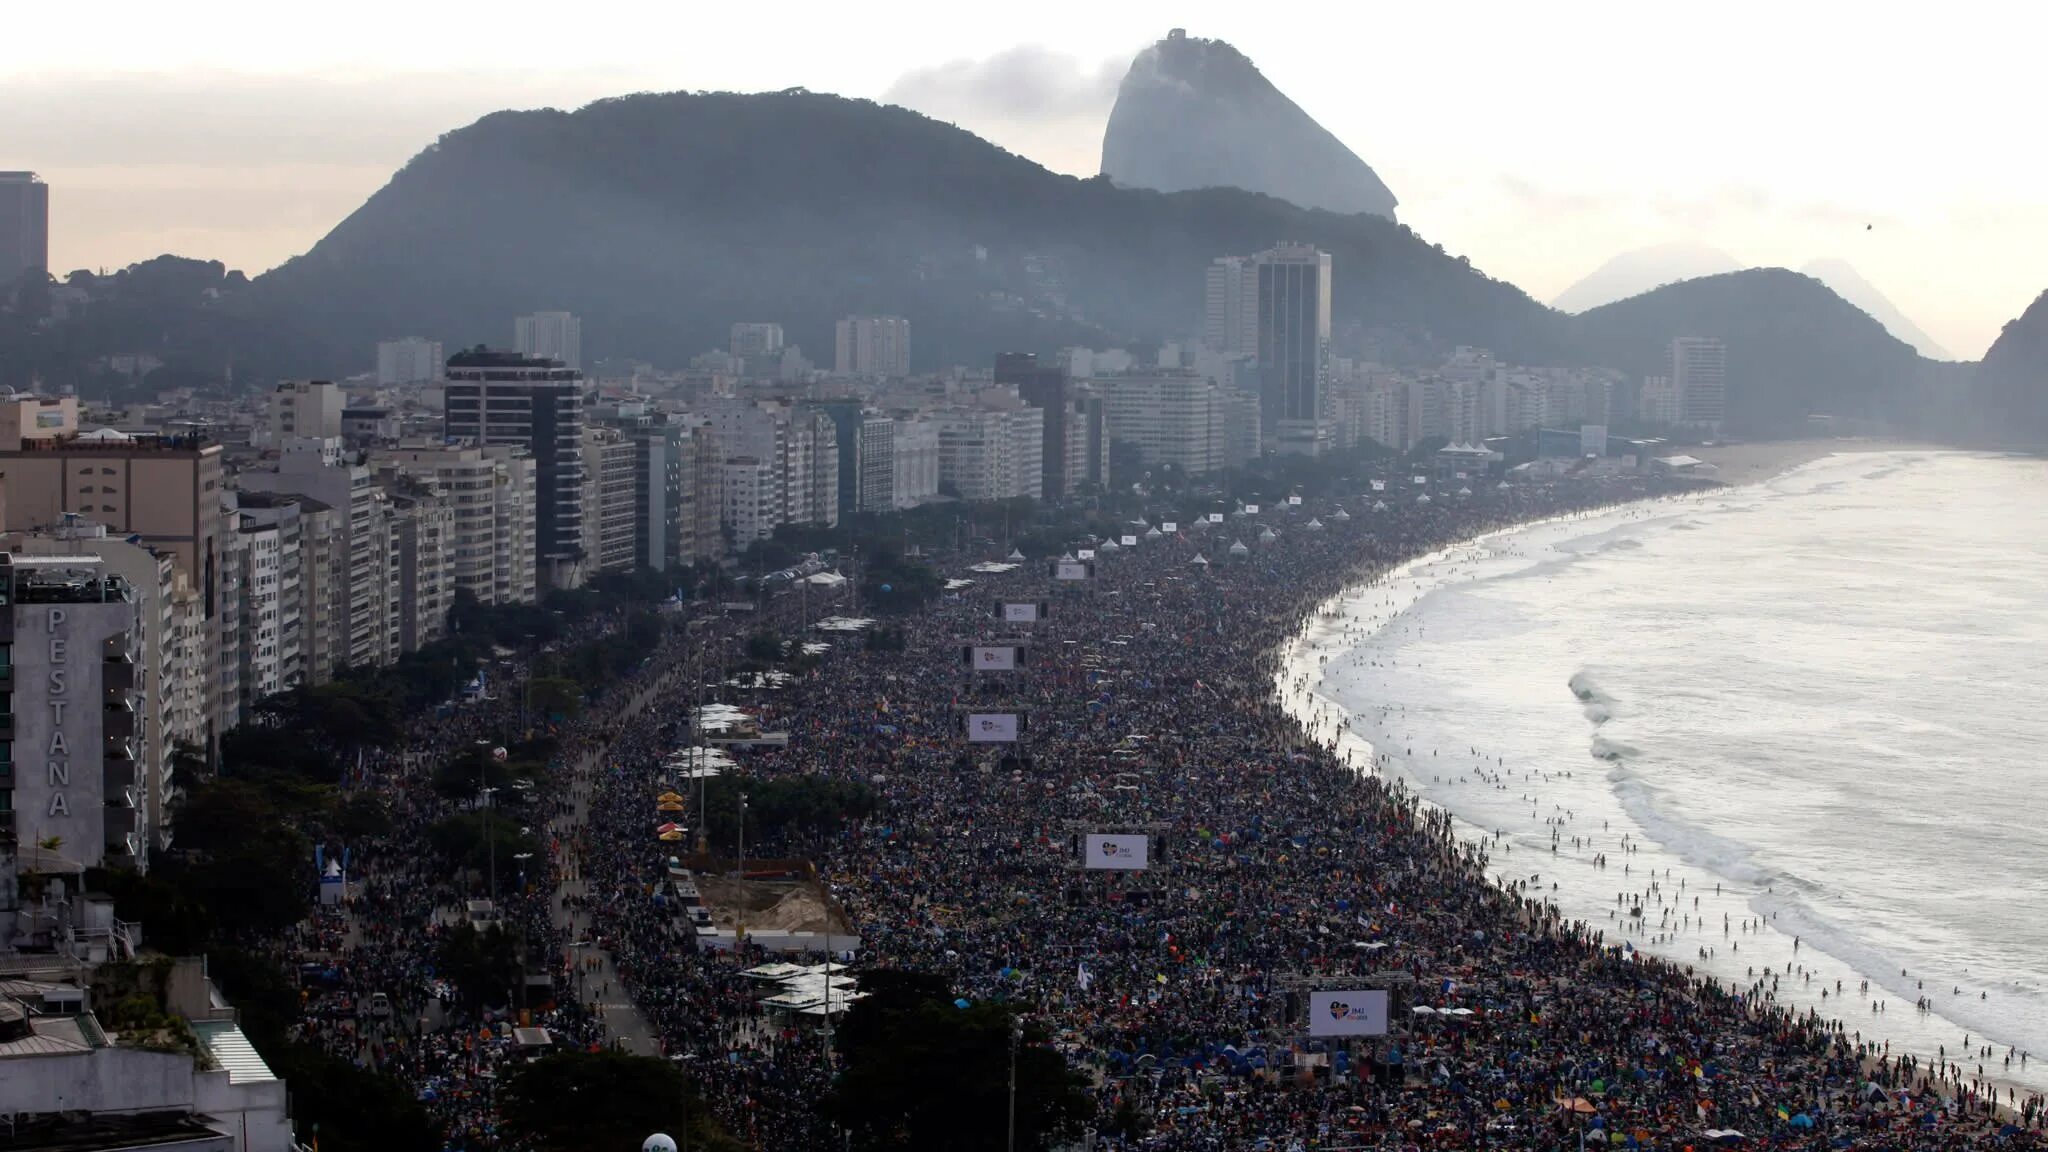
1174,987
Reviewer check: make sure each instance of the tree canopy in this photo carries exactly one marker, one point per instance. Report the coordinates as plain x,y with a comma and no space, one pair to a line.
924,1075
579,1101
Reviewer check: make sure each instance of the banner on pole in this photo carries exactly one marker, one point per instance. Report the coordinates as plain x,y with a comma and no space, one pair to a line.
1118,852
1348,1012
993,727
993,657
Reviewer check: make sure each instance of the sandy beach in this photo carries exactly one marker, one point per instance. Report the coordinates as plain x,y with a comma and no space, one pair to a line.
1758,461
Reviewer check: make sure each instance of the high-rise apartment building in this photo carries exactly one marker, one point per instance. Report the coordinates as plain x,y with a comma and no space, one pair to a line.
409,361
872,347
1699,374
489,495
24,226
1294,348
498,398
162,490
1230,315
1657,403
753,498
73,774
422,544
1172,419
309,409
757,340
610,489
991,453
915,450
874,466
550,336
362,581
171,683
1063,461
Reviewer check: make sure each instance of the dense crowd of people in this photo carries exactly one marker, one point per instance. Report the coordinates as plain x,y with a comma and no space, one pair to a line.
1153,707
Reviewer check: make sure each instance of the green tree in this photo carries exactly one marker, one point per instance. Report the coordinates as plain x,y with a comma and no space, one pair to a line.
461,839
924,1075
578,1101
483,966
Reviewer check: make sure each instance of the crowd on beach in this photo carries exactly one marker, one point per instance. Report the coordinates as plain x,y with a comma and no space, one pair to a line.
1153,694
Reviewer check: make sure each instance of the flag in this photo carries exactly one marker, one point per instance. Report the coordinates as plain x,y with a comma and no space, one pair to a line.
1083,977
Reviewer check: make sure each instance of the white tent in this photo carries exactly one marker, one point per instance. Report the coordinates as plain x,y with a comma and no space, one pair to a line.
1340,515
1106,546
1237,548
1152,534
1200,559
1313,524
1268,536
1015,555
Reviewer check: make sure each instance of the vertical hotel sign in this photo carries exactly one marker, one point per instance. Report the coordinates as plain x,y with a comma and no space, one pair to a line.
59,750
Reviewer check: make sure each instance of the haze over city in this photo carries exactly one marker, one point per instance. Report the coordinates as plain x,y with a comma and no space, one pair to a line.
1538,142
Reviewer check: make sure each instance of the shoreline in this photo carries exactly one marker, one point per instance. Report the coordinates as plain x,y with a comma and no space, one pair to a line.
1307,656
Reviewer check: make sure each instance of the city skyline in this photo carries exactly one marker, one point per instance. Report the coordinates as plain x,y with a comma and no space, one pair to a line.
160,134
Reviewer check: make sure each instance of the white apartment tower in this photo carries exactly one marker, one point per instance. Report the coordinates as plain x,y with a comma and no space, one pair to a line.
1174,419
409,361
1699,374
1230,320
872,347
550,336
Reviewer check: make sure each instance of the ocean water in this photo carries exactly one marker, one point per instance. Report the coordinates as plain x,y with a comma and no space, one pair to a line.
1800,723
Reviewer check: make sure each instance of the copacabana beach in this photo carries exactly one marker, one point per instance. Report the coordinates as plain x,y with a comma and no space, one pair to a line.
1782,733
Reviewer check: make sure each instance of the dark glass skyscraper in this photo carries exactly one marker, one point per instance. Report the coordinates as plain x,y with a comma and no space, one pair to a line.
507,398
1294,349
24,226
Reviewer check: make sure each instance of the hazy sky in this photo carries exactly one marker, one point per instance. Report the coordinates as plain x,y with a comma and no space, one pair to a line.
1538,139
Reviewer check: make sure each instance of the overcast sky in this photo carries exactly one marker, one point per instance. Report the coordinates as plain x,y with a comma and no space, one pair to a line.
1538,139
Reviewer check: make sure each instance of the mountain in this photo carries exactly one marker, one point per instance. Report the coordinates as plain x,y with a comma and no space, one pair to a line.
2011,385
1635,272
1795,349
1851,286
663,219
1196,113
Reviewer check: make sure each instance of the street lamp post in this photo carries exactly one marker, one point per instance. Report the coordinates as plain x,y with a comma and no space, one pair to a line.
522,858
1016,1038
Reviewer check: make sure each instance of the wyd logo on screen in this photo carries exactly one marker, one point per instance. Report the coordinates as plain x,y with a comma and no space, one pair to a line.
1339,1010
1112,849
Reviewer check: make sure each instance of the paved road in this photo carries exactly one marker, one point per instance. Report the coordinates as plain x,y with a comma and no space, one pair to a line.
599,985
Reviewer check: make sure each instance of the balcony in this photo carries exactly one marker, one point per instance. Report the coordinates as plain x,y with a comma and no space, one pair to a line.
117,775
120,749
6,677
118,675
117,720
6,725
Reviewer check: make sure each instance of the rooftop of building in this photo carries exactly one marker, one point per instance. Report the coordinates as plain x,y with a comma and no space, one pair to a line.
103,1132
78,579
113,441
